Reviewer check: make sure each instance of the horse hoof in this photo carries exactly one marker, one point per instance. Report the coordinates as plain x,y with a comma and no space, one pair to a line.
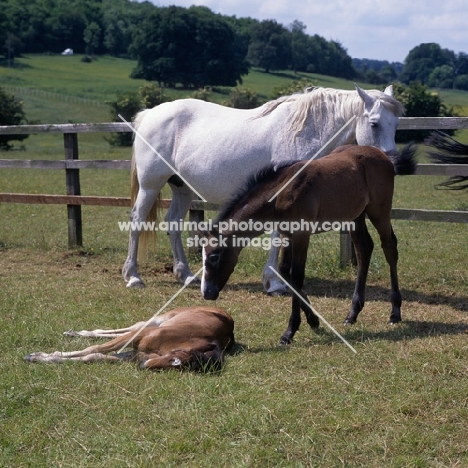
32,357
285,341
394,321
136,283
348,322
194,280
280,293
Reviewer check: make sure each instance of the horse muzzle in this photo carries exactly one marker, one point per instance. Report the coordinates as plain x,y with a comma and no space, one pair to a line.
210,292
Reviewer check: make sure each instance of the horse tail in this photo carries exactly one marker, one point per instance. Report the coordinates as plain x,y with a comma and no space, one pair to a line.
147,238
448,147
404,163
450,151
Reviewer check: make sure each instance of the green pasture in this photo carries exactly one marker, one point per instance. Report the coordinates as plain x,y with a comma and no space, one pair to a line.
401,401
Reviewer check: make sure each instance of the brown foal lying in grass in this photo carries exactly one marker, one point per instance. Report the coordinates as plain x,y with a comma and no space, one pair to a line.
186,337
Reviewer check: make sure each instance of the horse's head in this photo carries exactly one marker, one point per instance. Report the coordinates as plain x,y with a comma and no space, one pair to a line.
377,125
219,259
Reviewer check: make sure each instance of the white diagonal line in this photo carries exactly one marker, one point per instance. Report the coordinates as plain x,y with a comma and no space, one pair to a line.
312,158
314,311
157,154
159,311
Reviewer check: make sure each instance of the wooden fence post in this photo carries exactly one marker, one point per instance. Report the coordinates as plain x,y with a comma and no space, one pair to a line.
75,226
347,253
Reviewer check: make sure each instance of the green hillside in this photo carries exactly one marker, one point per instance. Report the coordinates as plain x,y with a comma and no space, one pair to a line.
102,79
61,89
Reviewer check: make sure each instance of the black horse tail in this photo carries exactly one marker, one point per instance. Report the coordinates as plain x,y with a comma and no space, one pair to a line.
404,163
450,151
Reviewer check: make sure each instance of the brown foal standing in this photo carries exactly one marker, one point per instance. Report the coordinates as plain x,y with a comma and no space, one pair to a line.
347,185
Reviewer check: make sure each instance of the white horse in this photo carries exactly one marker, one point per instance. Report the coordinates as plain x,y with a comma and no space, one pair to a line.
215,148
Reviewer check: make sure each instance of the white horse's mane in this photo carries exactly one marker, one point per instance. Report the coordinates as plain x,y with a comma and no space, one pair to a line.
329,103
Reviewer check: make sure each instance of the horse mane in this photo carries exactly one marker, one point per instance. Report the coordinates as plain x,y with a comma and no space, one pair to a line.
244,193
339,105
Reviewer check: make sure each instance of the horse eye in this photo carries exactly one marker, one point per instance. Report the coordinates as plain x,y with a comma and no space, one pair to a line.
214,257
374,124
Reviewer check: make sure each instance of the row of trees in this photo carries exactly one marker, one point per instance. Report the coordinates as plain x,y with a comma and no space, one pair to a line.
191,46
196,47
437,67
428,64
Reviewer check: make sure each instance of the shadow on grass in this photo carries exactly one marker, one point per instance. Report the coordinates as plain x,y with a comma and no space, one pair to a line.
343,289
354,334
407,329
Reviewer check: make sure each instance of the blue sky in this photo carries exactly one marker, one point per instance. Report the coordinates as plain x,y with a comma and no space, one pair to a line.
377,29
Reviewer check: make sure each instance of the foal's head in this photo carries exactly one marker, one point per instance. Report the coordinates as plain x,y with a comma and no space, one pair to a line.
220,256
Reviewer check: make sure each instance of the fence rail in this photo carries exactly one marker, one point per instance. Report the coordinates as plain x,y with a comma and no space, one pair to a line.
72,166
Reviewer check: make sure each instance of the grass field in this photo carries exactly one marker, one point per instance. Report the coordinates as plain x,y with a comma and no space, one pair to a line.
401,401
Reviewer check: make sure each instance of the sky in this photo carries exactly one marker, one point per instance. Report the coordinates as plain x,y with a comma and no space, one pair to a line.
375,29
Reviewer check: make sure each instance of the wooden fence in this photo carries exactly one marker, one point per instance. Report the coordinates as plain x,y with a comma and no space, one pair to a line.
72,166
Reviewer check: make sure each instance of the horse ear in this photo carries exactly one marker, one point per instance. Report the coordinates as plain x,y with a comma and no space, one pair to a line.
389,90
368,100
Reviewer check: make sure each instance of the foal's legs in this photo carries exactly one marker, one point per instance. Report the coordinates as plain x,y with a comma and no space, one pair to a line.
300,244
363,245
91,354
389,246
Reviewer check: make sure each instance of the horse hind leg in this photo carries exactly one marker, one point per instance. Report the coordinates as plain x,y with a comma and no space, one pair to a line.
106,333
140,211
389,245
58,357
94,353
364,246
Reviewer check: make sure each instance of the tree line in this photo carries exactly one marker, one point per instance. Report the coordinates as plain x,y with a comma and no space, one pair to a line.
196,47
428,64
191,46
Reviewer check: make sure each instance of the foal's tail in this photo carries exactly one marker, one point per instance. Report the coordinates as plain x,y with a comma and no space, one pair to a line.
147,237
404,163
450,151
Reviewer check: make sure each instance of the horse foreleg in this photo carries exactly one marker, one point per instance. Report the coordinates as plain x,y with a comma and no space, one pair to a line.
300,245
272,285
364,246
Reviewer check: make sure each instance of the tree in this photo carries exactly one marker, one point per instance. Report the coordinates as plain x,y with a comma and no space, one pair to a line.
270,46
461,82
128,104
192,46
419,101
423,59
11,113
441,77
299,39
92,37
